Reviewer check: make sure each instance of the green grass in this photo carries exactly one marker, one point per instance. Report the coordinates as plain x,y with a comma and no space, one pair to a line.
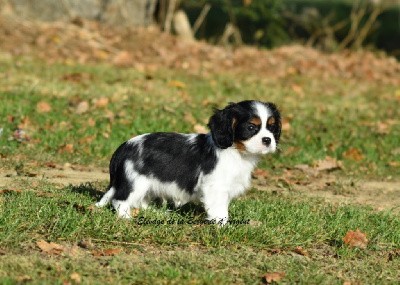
327,118
183,252
333,116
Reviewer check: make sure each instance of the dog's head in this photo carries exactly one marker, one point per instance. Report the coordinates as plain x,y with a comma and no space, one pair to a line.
250,126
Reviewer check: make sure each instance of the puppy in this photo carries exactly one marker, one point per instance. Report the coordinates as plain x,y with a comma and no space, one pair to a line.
209,168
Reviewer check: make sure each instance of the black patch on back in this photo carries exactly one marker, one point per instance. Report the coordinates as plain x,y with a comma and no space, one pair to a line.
170,157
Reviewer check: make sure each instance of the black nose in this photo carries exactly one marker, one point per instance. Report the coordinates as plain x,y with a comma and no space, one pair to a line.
266,141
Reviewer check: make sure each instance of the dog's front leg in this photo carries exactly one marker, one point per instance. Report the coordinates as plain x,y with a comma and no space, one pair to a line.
216,204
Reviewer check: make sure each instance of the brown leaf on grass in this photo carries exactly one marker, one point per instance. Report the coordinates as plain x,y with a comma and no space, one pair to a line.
107,252
50,248
82,107
87,139
76,278
50,164
273,277
177,84
301,251
200,129
260,173
353,154
6,191
91,122
76,77
123,59
394,164
43,107
328,164
101,102
356,239
382,128
23,279
68,148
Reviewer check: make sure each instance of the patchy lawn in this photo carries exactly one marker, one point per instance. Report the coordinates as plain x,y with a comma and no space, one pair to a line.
337,171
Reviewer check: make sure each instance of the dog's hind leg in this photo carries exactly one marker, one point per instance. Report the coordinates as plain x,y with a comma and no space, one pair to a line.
136,198
106,198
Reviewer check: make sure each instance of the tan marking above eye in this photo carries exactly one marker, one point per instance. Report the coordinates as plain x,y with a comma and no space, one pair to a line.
271,121
256,121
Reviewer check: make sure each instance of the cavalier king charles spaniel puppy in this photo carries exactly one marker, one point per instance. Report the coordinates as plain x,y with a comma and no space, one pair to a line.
209,168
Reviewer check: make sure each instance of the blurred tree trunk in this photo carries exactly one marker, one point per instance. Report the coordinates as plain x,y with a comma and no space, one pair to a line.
120,12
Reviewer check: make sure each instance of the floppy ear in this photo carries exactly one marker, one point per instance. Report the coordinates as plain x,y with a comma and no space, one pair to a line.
277,127
221,125
221,128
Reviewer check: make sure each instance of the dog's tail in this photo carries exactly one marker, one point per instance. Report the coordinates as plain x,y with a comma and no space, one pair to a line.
107,197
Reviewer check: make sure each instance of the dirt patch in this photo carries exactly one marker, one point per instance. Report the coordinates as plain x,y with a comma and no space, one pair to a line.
380,195
65,176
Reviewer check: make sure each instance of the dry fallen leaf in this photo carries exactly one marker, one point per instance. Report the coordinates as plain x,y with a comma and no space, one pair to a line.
353,154
50,248
69,148
260,173
76,77
82,107
382,128
107,252
5,191
328,164
394,164
356,239
91,122
123,59
274,277
101,102
87,139
23,279
301,251
43,107
76,278
177,84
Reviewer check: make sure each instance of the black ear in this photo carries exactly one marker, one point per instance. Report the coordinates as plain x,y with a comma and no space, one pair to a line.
277,128
222,124
221,128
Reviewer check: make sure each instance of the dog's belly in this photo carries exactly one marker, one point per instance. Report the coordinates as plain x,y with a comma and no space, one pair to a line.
170,191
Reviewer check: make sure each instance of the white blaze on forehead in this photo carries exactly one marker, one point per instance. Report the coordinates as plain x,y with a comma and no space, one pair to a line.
263,112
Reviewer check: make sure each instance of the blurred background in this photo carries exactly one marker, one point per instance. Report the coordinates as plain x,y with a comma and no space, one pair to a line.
329,25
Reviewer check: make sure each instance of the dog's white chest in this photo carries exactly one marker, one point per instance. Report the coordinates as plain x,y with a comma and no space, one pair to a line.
232,172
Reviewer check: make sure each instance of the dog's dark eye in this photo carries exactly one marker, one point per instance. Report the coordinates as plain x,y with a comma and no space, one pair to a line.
251,127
